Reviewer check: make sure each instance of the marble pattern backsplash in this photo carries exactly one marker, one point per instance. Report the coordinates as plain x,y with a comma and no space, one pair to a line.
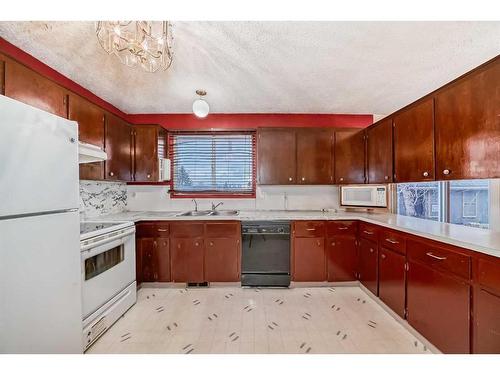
102,198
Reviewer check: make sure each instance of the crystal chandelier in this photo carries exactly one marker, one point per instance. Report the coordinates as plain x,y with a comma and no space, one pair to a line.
147,44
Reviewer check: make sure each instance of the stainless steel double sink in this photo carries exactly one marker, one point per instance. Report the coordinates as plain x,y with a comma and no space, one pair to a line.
210,213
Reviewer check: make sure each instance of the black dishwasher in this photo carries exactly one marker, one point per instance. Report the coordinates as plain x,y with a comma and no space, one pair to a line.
265,259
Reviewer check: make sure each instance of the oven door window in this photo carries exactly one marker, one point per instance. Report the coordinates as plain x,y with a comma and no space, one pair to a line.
103,261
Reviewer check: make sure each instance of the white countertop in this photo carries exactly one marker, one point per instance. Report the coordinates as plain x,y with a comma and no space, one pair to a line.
480,240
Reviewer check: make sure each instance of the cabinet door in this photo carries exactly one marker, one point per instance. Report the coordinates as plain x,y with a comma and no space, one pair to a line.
468,127
25,85
314,156
368,260
146,153
187,260
2,74
147,266
118,147
438,307
342,256
90,120
222,259
276,156
391,280
414,143
486,322
309,259
350,157
379,152
163,259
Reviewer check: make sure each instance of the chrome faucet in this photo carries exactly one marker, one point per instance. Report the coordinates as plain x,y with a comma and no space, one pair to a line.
195,204
214,206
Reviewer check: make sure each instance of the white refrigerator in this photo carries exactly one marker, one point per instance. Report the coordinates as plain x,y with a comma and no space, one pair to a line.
40,267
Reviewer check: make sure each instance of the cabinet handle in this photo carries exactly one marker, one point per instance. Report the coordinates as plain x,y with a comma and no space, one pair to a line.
391,241
367,232
311,229
333,243
383,256
319,243
425,174
148,176
386,178
197,244
371,250
111,174
303,178
162,230
435,256
290,179
211,244
341,179
446,172
178,246
343,228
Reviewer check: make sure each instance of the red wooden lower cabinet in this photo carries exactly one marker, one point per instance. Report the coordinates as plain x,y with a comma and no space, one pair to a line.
368,259
222,259
342,258
391,280
486,305
438,307
163,258
187,259
309,259
146,263
486,322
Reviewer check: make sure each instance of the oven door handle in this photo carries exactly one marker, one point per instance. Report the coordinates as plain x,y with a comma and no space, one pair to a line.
92,245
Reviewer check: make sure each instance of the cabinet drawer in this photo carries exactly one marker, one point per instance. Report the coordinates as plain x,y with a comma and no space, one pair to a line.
309,228
225,229
489,274
152,230
336,228
439,257
186,230
393,240
368,231
162,229
145,230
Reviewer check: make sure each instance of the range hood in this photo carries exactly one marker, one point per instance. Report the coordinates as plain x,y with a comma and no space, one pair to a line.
88,153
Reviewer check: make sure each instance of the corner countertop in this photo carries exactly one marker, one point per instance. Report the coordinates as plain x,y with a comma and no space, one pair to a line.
476,239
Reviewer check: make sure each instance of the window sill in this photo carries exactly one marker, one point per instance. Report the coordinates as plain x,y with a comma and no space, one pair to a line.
176,195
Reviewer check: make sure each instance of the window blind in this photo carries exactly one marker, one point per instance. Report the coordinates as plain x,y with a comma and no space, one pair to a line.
213,163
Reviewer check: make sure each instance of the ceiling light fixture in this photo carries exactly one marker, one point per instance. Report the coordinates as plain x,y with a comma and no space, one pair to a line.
200,106
147,44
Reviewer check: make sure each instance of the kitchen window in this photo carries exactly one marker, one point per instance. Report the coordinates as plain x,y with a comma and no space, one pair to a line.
464,202
207,164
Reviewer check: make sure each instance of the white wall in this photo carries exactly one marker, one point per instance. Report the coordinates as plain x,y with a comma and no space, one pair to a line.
156,198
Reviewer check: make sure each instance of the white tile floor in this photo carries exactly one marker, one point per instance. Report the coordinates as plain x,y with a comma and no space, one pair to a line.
235,320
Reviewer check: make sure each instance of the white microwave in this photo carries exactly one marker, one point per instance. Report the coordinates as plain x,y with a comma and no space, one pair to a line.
363,196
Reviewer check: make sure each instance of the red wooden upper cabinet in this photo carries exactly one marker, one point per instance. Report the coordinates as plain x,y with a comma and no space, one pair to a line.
90,120
314,156
148,141
118,142
29,87
276,156
414,143
350,157
379,152
467,128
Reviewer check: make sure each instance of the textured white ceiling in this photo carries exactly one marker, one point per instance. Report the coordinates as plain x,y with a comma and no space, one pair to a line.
276,67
